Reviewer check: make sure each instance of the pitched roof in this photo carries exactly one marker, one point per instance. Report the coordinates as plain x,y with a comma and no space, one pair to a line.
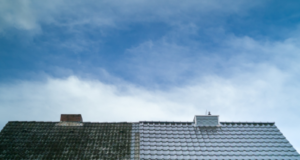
144,140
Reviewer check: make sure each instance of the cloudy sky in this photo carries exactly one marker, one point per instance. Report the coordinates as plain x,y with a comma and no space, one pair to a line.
151,60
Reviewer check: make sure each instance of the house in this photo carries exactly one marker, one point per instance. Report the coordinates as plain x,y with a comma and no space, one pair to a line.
204,138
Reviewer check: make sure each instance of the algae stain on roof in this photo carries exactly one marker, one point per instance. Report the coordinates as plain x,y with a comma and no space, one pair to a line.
47,140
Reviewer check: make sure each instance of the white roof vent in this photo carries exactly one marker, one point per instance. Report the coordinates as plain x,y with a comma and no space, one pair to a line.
206,120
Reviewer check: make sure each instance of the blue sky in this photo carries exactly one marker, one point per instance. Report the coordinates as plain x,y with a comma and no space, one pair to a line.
151,60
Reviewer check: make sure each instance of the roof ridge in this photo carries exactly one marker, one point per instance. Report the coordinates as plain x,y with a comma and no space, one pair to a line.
145,122
245,122
192,122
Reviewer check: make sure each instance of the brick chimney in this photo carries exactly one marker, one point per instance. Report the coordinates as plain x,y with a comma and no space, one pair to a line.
71,118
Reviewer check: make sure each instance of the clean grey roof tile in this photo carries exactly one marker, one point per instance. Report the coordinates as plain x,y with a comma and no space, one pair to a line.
231,140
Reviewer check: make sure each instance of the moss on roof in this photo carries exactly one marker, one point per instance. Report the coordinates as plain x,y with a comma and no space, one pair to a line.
46,140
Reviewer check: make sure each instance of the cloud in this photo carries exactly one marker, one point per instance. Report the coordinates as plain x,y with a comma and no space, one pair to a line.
264,95
25,15
28,15
17,14
172,62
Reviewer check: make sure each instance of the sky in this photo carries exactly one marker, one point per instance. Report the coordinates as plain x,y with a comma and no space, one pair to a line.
137,60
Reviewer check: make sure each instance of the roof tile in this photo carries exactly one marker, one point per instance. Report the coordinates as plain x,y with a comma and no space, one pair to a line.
144,140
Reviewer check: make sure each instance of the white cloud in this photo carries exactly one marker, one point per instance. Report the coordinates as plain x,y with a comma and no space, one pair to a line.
29,15
171,62
258,96
17,14
25,14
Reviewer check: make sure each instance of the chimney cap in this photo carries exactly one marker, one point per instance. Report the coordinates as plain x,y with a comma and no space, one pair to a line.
206,120
70,118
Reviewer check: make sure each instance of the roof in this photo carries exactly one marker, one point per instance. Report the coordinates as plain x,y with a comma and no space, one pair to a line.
144,140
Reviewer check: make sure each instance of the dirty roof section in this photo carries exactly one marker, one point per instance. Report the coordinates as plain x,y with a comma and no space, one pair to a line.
45,140
232,140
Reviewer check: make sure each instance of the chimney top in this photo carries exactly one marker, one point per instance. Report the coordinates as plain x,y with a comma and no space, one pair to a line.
71,118
206,120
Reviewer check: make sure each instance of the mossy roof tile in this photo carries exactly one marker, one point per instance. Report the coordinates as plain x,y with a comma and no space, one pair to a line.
45,140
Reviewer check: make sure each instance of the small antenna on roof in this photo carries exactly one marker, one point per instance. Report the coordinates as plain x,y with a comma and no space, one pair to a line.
205,112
